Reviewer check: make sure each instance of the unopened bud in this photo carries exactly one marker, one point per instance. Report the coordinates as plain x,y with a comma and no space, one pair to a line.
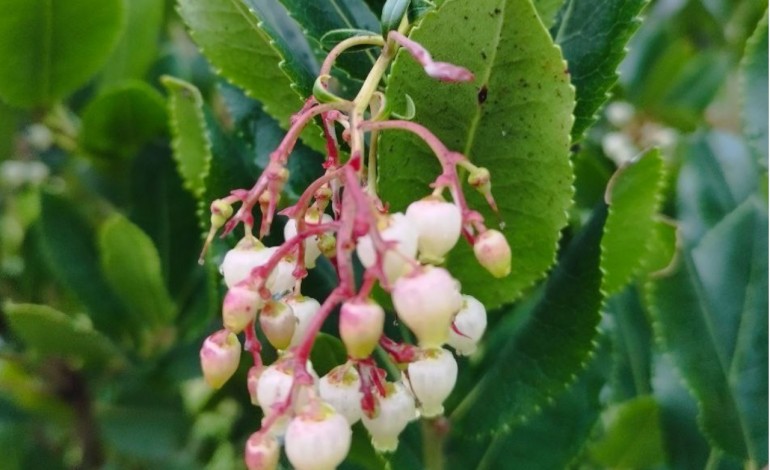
240,308
220,213
480,179
262,452
220,355
427,302
493,253
278,322
327,243
361,326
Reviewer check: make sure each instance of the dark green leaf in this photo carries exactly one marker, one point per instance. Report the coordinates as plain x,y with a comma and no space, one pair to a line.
593,35
231,37
520,132
50,48
192,146
138,45
328,352
755,88
634,195
69,245
544,355
142,431
710,314
392,13
631,335
52,332
547,10
632,436
119,121
335,36
132,267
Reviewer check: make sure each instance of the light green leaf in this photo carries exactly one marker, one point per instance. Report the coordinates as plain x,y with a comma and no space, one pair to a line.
755,88
662,246
233,40
547,10
710,313
542,357
593,35
520,132
634,196
191,143
131,265
68,244
138,45
52,332
632,436
123,118
50,48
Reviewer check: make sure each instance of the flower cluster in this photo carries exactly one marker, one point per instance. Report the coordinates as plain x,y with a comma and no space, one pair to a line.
338,217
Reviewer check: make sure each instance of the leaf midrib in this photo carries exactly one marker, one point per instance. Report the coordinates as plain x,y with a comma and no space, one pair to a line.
476,119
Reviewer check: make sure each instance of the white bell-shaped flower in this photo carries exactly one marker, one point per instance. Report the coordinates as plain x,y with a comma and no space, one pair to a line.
240,307
341,388
304,309
394,412
317,439
438,224
470,322
312,251
398,229
432,379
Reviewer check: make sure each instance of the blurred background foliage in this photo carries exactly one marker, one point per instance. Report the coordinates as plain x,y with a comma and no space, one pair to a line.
105,307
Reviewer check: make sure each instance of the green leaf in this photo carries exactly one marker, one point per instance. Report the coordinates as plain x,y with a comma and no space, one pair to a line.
634,196
68,244
632,436
710,313
593,35
123,118
233,40
520,132
392,13
51,48
328,352
191,143
755,88
132,267
628,326
54,333
318,17
662,246
547,10
543,356
138,45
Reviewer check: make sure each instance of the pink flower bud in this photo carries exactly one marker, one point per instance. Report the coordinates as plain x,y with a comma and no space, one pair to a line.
278,322
341,388
493,253
426,302
469,323
240,308
262,452
220,355
398,229
361,326
317,439
438,223
432,379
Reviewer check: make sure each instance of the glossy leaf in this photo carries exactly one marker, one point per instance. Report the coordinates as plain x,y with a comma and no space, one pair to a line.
634,196
327,353
51,48
593,35
710,314
54,333
191,143
520,132
123,118
232,39
542,357
131,265
392,13
755,91
632,436
68,244
137,48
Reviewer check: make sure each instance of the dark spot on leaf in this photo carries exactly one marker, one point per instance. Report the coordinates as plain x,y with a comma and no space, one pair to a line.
482,94
483,55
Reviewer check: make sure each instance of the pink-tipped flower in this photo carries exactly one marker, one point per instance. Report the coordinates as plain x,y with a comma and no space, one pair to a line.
278,322
399,230
468,326
361,324
304,309
238,263
427,302
318,438
220,355
438,224
341,388
432,379
240,307
493,253
312,250
394,411
262,452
